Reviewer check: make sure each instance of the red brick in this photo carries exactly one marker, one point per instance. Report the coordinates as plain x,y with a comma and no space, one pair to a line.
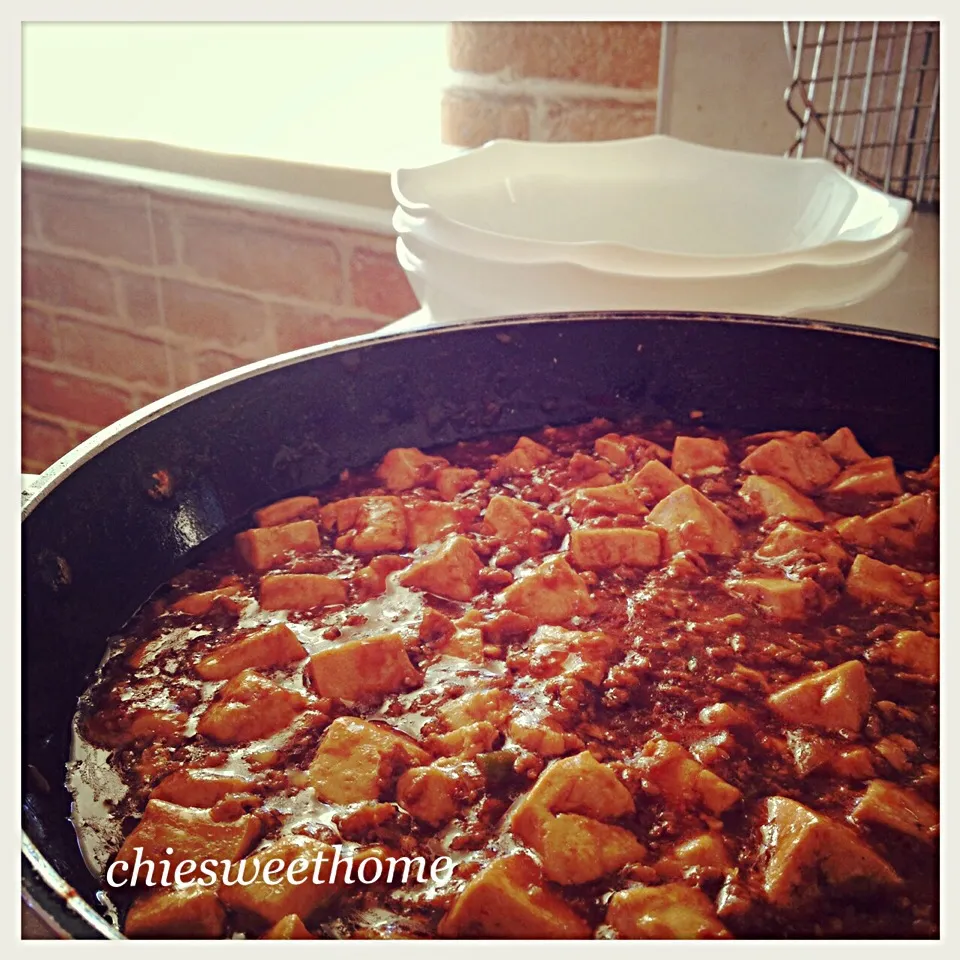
469,118
103,222
37,334
32,466
193,365
164,236
113,353
144,395
623,54
28,222
298,328
207,314
73,397
578,120
139,296
42,441
210,363
80,433
262,260
64,282
379,284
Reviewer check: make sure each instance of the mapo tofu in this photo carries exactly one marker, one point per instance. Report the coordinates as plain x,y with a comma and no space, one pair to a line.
636,681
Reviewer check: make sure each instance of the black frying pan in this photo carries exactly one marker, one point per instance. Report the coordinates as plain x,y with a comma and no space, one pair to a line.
103,532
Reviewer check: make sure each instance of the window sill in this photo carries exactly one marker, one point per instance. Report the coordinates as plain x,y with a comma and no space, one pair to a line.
356,196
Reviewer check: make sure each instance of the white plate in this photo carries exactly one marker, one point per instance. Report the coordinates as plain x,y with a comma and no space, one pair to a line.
652,204
422,245
457,289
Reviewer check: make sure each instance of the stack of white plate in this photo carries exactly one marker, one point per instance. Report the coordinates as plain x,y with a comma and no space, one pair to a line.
653,223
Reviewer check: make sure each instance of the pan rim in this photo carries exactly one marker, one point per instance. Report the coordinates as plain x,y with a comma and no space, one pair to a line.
54,475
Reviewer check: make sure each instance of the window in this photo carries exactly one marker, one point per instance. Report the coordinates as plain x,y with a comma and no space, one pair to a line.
364,95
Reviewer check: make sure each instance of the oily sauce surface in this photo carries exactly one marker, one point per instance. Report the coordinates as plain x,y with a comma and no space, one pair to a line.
654,659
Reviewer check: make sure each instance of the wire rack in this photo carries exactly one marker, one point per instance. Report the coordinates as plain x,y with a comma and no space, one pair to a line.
867,96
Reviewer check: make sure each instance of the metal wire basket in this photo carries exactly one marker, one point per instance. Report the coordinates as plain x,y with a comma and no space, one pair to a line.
867,97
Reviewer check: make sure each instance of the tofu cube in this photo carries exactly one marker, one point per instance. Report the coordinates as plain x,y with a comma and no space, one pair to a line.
672,911
289,928
250,707
192,834
777,597
575,849
898,809
404,468
577,653
843,446
509,899
622,451
834,700
524,458
192,787
872,581
276,646
578,784
855,763
540,736
698,456
614,448
692,522
914,651
855,531
371,580
283,511
300,591
143,725
801,460
776,498
199,604
892,749
465,643
466,742
904,525
453,480
263,548
654,481
724,716
492,705
270,902
181,913
381,526
803,851
682,781
509,518
367,667
452,570
357,759
340,515
702,851
600,548
553,593
429,521
876,477
788,540
430,793
560,818
612,499
367,524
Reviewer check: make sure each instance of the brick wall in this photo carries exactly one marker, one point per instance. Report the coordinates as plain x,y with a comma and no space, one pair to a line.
551,81
129,294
